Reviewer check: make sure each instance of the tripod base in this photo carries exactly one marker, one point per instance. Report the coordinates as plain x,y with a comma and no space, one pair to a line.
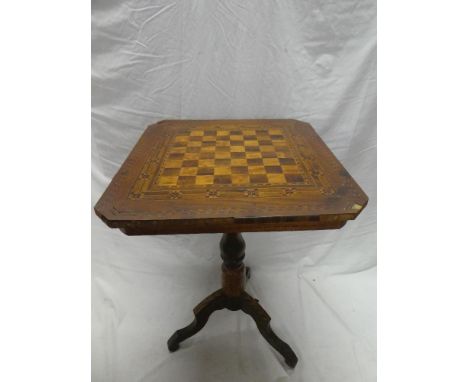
232,296
217,301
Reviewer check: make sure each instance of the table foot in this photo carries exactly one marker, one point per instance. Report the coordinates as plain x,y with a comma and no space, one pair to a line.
251,307
202,312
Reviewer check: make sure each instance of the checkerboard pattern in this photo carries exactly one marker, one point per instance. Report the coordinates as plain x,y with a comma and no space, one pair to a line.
224,156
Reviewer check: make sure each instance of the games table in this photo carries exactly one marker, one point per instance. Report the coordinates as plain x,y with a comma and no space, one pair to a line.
230,176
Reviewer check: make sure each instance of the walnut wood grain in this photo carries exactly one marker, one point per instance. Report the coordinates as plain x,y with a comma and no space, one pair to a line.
187,176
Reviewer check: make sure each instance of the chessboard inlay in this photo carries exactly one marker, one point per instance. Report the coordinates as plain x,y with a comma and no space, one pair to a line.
223,159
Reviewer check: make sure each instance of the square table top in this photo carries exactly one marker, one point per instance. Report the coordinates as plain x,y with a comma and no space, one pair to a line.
187,176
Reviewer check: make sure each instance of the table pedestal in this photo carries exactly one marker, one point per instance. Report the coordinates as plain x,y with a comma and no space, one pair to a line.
232,296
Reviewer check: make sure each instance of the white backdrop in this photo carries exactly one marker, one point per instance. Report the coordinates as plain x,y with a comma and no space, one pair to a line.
309,60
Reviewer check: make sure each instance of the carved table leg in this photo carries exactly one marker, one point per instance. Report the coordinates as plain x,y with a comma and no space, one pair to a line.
251,307
233,297
202,312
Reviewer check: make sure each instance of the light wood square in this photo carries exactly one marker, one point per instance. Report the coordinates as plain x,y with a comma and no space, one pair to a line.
257,170
254,154
267,149
206,162
194,144
291,169
191,156
239,162
251,143
271,161
204,179
173,163
237,149
276,178
222,155
240,179
207,149
188,171
222,170
196,133
167,180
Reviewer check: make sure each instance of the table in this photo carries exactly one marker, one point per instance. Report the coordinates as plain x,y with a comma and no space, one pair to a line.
229,177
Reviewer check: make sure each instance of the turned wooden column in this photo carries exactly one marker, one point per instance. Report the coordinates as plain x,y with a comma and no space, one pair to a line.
233,252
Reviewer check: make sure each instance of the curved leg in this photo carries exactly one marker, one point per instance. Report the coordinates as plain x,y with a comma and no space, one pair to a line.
202,312
262,319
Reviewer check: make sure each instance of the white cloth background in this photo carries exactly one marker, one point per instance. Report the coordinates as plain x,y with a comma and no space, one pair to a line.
309,60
